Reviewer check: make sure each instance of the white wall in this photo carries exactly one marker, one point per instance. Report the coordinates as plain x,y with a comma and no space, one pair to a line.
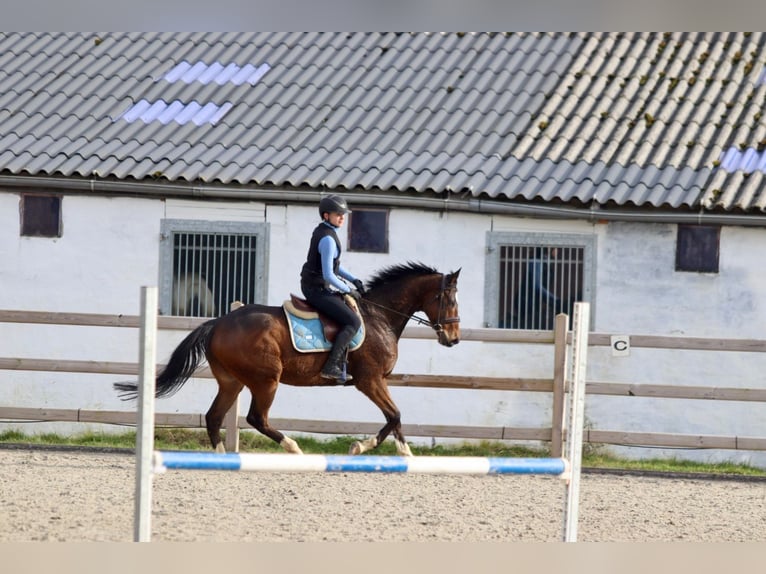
110,248
639,292
638,285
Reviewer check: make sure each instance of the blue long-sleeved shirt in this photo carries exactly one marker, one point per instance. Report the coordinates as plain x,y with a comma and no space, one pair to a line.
328,251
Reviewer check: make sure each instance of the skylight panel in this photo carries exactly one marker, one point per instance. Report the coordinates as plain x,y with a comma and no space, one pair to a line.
216,72
199,113
176,111
206,114
210,73
220,112
748,160
170,112
187,113
135,111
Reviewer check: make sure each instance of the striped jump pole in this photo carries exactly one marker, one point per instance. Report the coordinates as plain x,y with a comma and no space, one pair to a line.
567,469
284,462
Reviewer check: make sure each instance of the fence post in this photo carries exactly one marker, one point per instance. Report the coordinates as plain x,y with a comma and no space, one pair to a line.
559,382
231,424
147,360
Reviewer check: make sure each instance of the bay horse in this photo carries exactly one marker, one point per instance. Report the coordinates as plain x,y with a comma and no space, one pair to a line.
251,347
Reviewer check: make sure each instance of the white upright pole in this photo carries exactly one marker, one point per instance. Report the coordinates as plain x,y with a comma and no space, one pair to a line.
576,420
145,423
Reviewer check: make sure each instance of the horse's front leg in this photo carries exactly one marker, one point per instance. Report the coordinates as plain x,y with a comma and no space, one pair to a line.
362,446
377,392
401,445
402,448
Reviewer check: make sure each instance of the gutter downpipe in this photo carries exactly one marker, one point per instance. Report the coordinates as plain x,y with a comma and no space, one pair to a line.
471,205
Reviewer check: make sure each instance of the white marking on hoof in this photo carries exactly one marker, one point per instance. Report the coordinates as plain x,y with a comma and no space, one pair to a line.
290,445
402,448
360,447
219,448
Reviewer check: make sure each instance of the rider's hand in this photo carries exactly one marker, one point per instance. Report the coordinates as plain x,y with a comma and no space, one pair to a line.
355,294
359,284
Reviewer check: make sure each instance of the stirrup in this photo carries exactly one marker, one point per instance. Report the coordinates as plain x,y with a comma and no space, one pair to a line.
340,376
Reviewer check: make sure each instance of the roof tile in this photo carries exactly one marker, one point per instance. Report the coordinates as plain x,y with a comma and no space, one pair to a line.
622,118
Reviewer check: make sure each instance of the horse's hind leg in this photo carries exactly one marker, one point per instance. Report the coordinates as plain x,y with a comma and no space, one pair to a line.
378,394
228,390
258,416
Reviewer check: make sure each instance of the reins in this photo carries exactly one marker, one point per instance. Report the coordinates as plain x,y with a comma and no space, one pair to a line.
438,325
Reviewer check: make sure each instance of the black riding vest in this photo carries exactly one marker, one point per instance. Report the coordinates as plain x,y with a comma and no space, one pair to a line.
311,273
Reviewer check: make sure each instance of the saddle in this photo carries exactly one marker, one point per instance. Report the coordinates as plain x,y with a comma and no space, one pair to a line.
301,316
301,308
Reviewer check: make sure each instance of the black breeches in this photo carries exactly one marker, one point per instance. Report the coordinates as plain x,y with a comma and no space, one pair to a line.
332,305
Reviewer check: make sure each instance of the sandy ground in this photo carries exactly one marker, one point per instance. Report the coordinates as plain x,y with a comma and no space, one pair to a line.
86,496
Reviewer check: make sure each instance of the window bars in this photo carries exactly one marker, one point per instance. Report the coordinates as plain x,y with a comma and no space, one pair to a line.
210,270
537,282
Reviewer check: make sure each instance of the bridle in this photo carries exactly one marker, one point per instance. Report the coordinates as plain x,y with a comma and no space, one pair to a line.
438,326
442,304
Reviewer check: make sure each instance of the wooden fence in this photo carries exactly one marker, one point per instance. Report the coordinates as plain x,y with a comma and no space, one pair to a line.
555,384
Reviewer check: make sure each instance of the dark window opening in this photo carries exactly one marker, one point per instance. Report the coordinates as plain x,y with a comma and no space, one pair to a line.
368,230
210,271
697,248
41,215
537,283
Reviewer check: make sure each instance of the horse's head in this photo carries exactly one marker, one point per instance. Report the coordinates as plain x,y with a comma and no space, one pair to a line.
442,310
402,290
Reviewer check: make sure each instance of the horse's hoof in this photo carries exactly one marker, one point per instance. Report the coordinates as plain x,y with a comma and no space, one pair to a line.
356,448
290,445
403,449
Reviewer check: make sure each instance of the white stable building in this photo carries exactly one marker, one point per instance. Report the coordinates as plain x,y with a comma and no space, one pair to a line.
197,161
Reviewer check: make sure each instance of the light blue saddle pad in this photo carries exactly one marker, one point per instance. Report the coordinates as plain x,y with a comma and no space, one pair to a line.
308,336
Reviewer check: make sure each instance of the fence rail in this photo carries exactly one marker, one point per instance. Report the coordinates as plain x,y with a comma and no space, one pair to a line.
554,385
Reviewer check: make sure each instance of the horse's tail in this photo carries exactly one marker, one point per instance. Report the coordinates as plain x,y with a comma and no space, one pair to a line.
182,364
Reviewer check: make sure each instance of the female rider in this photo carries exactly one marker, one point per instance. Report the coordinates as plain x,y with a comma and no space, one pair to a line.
323,283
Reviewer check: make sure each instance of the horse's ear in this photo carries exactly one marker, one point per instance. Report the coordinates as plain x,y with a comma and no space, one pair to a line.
453,276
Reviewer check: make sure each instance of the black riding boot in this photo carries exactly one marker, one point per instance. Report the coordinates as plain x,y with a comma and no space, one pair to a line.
333,368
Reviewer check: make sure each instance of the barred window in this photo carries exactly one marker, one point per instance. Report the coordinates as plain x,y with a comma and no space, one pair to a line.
531,279
206,266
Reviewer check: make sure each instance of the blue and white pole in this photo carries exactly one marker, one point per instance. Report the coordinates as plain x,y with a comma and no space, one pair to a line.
284,462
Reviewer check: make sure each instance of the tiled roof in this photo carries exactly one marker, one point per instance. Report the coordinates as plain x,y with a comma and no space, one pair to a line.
646,119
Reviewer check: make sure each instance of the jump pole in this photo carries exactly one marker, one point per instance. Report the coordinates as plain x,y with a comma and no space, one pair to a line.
283,462
154,462
576,418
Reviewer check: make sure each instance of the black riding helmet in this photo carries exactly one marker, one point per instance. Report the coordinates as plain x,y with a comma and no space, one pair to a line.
333,204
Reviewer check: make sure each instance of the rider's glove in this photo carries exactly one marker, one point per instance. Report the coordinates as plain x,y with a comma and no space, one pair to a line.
359,284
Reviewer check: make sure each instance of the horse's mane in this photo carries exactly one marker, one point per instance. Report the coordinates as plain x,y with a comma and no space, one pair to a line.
398,272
